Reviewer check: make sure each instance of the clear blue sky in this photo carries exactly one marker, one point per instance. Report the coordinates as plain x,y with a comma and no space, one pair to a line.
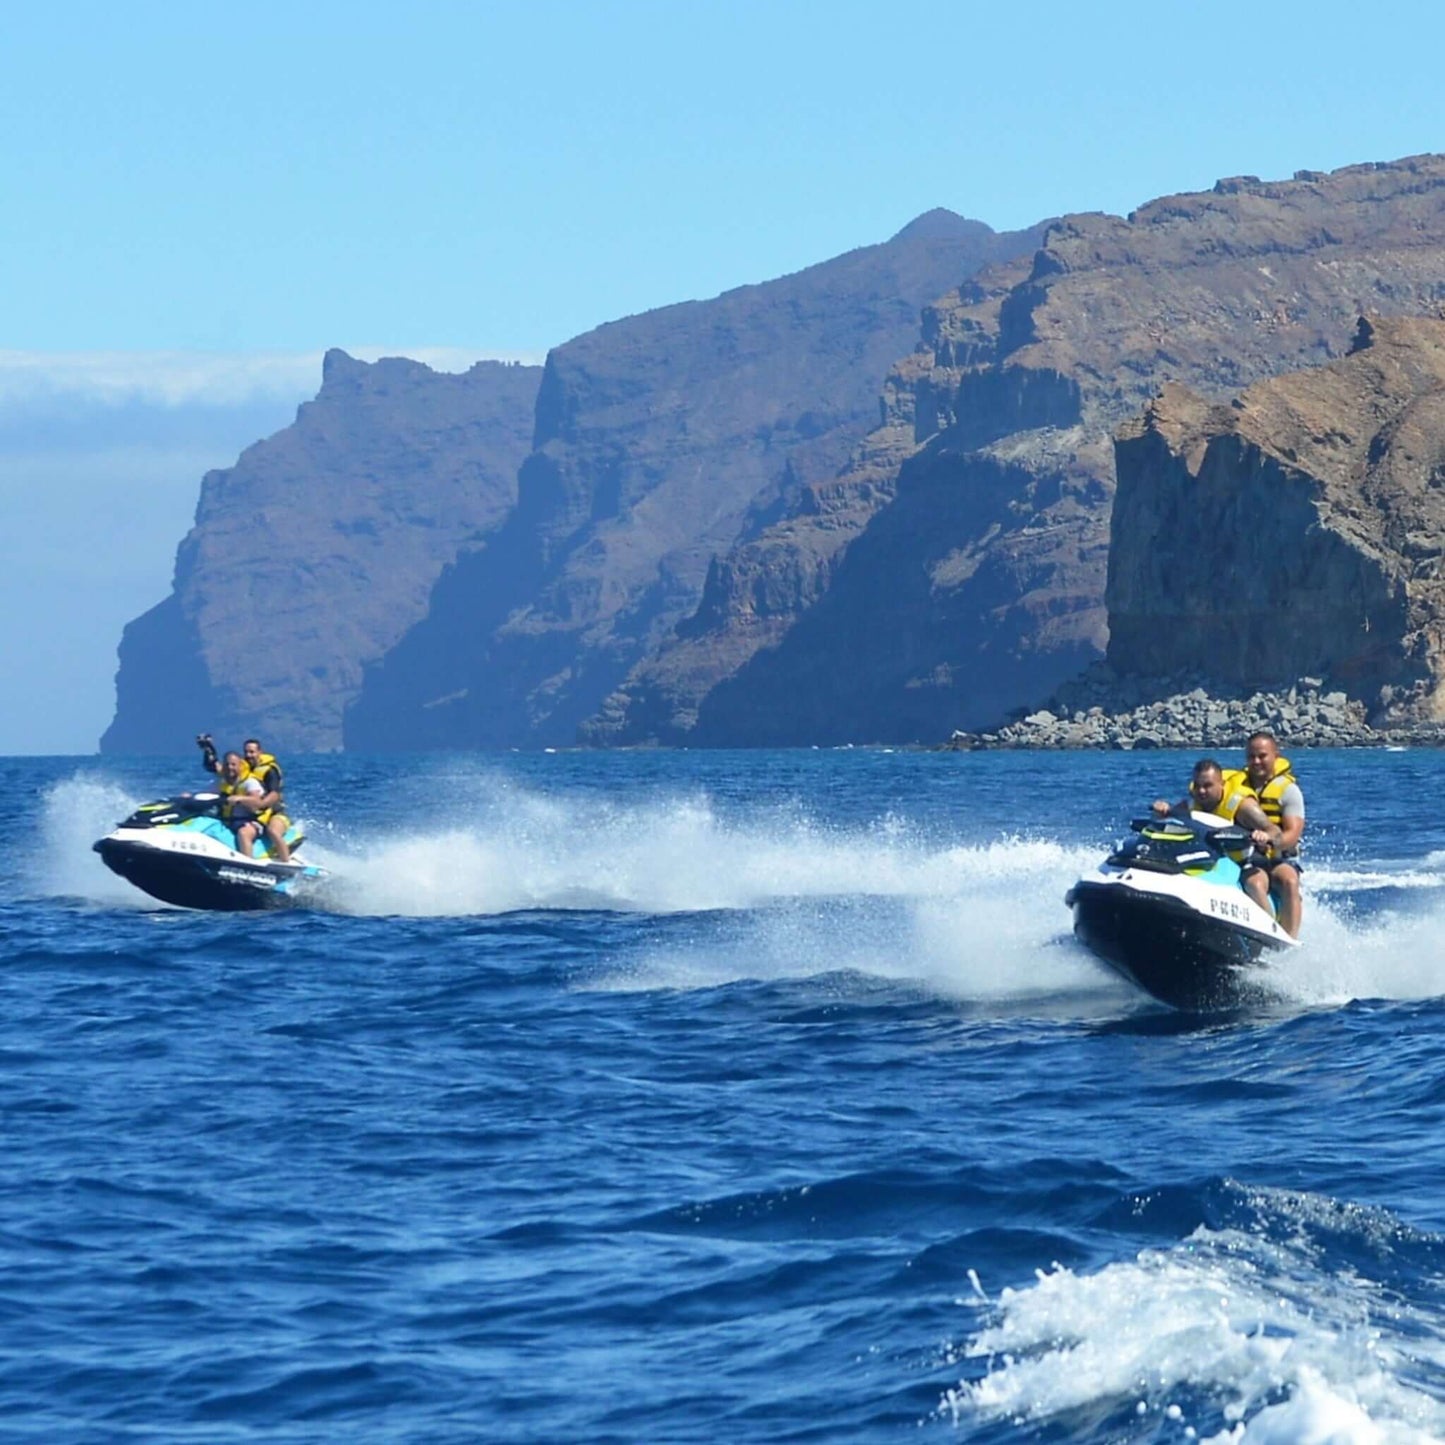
497,178
508,175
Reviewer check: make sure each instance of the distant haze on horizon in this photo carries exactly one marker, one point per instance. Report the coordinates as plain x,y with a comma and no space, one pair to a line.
102,457
209,201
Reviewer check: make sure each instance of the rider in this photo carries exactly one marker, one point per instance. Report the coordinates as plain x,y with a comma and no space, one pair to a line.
1267,779
240,798
271,816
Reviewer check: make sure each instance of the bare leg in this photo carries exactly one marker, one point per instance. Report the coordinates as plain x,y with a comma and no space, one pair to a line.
1291,906
245,838
1256,884
276,832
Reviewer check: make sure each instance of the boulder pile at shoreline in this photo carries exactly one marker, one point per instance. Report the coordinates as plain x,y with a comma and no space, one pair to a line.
1100,710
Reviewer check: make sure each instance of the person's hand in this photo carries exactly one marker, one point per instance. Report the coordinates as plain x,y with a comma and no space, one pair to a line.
1160,807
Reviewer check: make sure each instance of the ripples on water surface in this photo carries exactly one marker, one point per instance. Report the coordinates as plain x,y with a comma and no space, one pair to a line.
753,1097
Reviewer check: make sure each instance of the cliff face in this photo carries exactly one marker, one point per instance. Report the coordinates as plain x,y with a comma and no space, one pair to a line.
1298,530
661,441
715,537
976,586
781,568
315,552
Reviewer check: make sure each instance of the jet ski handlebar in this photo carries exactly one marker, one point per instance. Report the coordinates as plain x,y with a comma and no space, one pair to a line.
1228,839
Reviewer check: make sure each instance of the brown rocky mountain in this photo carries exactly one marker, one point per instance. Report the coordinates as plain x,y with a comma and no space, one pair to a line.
782,566
315,552
716,539
1299,529
661,440
972,583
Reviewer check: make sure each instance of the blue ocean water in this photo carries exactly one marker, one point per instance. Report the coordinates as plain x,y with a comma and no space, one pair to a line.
714,1097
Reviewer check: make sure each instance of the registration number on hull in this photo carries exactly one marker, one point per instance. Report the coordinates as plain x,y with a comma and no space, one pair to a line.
1235,911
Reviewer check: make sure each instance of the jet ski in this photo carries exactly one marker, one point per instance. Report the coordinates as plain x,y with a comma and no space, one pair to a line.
181,851
1167,911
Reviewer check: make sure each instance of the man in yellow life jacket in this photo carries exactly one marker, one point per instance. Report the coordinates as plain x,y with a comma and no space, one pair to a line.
1266,779
240,794
270,807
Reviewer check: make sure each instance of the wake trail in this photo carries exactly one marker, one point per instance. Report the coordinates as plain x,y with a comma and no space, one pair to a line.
982,919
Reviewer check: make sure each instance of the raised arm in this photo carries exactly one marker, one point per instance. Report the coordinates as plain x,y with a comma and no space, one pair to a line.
209,760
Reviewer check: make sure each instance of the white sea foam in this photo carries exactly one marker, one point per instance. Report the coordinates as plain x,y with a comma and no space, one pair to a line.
1432,875
1392,954
505,848
1228,1323
880,898
76,812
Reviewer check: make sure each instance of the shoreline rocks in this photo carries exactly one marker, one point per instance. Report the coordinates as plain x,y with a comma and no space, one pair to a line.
1102,711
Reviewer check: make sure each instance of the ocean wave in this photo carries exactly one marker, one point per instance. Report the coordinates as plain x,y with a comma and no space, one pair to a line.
1250,1331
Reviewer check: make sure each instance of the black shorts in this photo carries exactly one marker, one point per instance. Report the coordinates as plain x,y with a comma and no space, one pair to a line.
1257,863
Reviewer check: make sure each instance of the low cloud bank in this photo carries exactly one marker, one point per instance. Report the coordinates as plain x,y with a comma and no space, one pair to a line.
182,378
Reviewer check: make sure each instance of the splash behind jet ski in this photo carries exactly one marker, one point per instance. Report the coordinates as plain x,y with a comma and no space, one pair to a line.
181,851
1166,910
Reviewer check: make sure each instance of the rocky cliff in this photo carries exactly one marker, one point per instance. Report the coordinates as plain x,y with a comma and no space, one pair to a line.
718,537
976,585
782,566
314,553
661,441
1299,529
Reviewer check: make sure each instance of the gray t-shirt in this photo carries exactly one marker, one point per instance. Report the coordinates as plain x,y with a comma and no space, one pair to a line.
1291,801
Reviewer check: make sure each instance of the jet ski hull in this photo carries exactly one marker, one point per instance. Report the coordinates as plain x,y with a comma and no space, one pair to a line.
1166,911
1162,945
230,885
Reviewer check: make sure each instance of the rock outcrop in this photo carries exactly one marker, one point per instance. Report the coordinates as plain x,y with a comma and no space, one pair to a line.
662,441
977,587
1300,529
1123,714
1276,562
318,549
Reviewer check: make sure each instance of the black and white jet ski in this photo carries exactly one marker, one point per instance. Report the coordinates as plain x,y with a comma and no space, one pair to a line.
1167,911
181,851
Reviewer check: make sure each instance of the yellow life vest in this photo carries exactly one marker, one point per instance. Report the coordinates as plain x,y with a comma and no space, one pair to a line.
264,761
1269,797
1230,799
1237,788
230,791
